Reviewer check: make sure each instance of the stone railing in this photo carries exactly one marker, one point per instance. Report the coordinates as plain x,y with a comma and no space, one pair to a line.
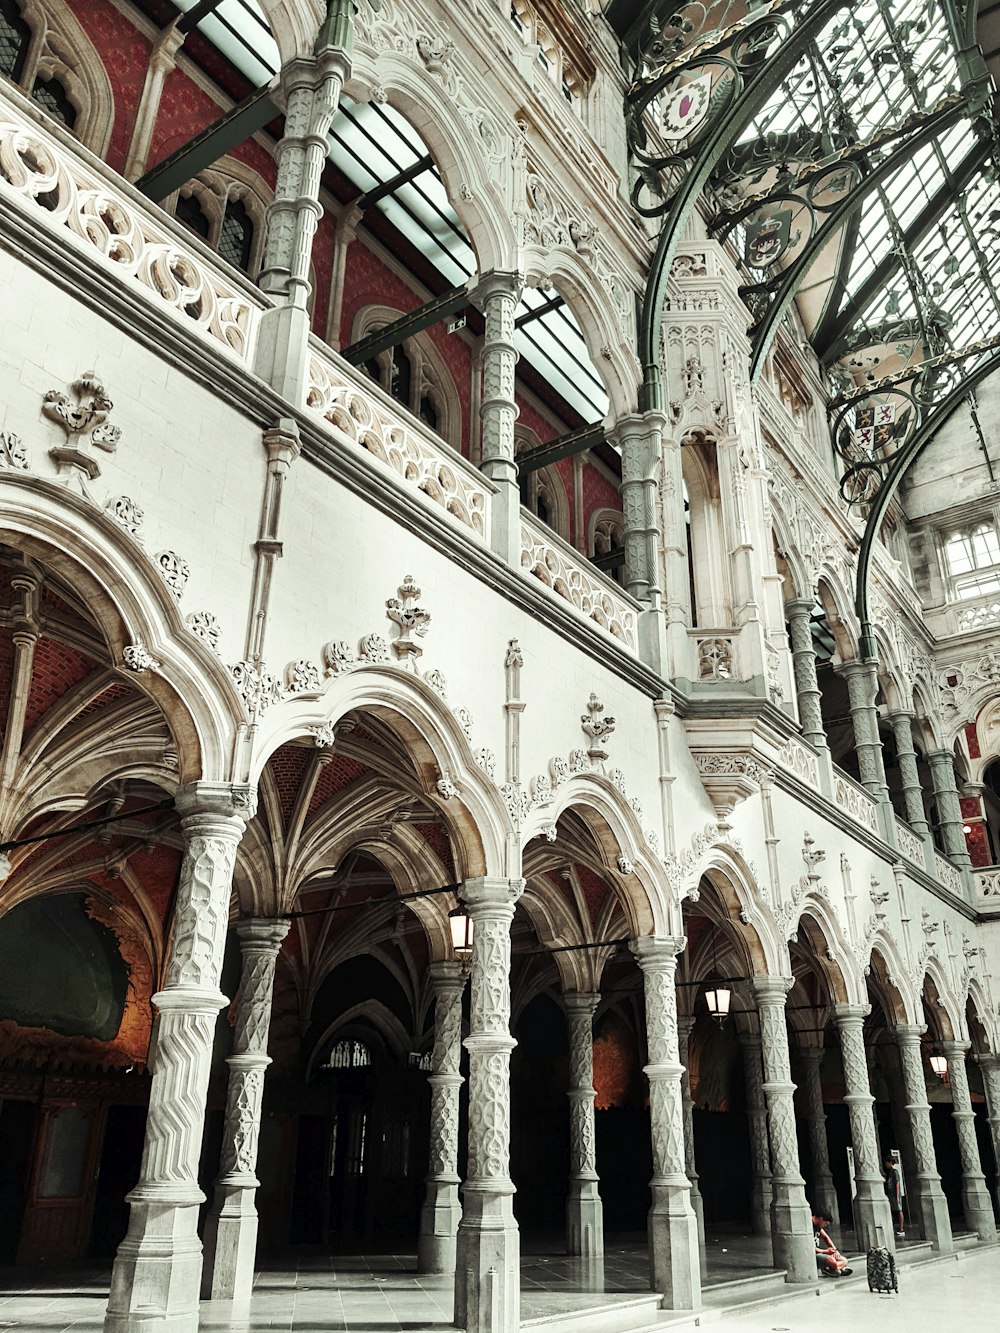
855,801
797,756
987,882
910,845
75,195
572,577
977,615
369,419
948,875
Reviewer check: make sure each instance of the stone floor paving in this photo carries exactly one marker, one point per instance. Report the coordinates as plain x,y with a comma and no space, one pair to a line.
383,1294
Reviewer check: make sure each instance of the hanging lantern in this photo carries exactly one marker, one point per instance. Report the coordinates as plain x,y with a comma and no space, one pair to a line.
462,929
939,1063
718,999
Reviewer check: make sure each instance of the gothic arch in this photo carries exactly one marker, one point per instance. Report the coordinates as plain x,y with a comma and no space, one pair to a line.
438,747
889,978
132,605
750,918
830,954
61,49
430,371
294,25
836,603
947,1023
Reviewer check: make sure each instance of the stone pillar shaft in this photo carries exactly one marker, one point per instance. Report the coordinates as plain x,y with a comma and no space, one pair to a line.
862,687
990,1066
441,1212
157,1272
824,1195
799,611
487,1276
497,296
791,1217
934,1220
684,1026
584,1211
975,1197
874,1223
906,757
675,1265
231,1227
760,1151
162,61
949,811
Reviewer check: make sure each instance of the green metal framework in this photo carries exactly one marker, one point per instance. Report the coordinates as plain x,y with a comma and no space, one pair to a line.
852,142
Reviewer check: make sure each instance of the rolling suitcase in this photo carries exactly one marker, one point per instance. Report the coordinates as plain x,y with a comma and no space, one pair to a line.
882,1269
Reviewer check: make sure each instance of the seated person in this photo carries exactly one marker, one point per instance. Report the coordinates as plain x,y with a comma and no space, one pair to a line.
829,1261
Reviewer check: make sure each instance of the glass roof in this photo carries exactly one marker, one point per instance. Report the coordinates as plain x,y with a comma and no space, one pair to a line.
371,144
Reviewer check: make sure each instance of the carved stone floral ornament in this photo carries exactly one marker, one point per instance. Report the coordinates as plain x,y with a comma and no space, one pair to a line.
412,619
597,727
81,412
729,779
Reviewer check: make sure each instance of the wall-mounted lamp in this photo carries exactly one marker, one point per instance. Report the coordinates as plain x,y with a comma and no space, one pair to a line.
462,931
939,1063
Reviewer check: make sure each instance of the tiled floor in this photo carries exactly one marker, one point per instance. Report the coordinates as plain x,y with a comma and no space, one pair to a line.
383,1293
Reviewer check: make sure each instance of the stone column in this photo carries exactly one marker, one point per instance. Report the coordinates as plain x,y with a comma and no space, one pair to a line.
975,1197
231,1226
162,60
487,1275
799,612
674,1260
926,1186
760,1151
906,756
862,687
873,1219
157,1272
990,1066
684,1026
584,1210
824,1198
949,811
311,86
639,436
442,1211
791,1217
497,296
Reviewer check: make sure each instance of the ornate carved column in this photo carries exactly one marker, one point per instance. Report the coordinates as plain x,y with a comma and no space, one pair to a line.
231,1226
684,1026
949,811
906,757
791,1217
862,687
799,612
487,1277
934,1220
824,1195
497,296
760,1151
990,1066
311,87
674,1260
442,1211
873,1220
584,1210
157,1272
975,1197
639,436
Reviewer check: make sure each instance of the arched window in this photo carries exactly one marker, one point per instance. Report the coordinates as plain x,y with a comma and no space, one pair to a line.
428,412
400,376
15,35
51,96
414,373
349,1054
236,236
607,544
973,560
194,217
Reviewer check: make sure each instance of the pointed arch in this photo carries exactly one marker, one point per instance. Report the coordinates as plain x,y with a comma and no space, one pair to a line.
830,951
888,976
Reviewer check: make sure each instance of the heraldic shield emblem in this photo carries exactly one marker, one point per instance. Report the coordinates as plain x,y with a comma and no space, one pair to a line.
768,238
686,107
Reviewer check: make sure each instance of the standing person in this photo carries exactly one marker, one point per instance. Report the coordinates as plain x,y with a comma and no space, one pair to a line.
894,1193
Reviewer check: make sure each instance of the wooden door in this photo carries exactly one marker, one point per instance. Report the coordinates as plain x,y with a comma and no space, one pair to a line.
61,1193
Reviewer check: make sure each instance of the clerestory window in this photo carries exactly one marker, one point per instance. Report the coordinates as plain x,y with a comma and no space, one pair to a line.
973,561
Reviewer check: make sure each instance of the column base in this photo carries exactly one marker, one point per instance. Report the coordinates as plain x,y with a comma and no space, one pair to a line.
978,1209
698,1205
157,1272
874,1223
282,354
505,512
792,1233
674,1255
488,1264
439,1219
230,1245
932,1211
584,1220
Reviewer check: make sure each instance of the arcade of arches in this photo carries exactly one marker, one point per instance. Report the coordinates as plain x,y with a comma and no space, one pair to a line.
489,764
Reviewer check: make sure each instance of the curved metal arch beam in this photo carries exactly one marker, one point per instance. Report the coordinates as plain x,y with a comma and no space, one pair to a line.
793,277
907,456
718,142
